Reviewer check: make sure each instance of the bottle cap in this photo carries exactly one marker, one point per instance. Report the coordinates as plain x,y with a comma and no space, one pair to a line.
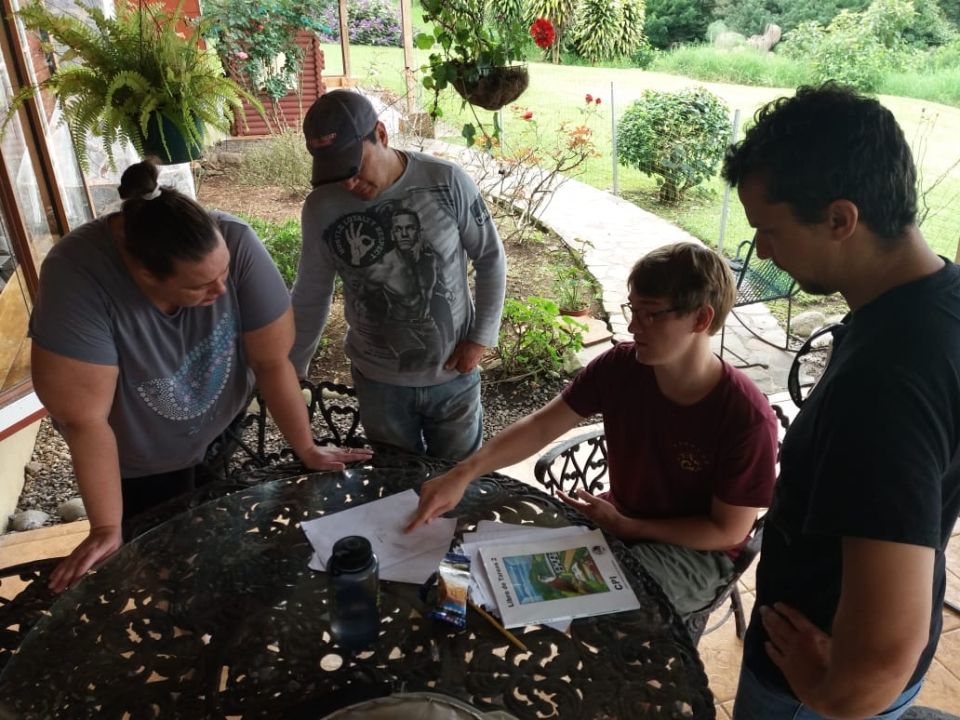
351,554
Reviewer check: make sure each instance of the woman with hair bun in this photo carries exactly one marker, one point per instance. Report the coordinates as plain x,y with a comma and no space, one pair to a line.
145,331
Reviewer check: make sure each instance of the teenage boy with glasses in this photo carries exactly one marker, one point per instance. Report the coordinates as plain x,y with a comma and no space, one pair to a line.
691,441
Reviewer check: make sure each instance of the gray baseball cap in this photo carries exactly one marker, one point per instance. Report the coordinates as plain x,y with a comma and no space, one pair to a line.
334,128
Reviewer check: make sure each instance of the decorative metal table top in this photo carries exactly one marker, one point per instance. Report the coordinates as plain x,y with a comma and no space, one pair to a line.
214,614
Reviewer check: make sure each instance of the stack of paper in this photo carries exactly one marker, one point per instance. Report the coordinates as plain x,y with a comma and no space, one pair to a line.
403,558
545,575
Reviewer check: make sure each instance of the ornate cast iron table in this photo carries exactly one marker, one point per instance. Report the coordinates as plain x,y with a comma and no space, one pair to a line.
214,614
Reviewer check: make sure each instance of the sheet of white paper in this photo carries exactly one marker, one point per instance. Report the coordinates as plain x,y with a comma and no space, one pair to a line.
381,522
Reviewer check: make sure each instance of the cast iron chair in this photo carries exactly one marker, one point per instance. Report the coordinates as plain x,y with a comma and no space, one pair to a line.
334,416
759,280
581,462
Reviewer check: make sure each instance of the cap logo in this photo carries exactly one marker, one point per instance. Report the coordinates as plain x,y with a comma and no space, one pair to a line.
321,142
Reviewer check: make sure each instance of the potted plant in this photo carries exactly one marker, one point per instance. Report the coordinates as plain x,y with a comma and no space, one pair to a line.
140,77
478,42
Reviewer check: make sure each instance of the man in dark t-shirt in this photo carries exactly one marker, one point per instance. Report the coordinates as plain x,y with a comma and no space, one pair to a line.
691,441
851,575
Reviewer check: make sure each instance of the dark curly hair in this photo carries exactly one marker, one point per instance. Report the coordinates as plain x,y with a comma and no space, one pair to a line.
161,230
829,143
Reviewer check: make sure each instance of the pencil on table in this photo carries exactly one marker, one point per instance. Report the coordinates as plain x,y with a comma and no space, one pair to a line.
499,628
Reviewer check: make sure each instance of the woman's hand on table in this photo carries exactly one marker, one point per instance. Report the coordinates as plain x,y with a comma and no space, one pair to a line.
437,496
101,543
603,512
321,458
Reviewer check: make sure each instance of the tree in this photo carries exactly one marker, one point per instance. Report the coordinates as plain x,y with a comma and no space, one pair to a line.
631,27
748,17
676,21
596,33
678,136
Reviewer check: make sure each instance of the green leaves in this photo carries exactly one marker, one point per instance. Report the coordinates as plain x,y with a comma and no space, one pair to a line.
116,74
678,136
534,340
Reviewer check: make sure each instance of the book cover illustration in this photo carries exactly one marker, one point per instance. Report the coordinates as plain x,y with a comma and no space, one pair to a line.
554,575
556,579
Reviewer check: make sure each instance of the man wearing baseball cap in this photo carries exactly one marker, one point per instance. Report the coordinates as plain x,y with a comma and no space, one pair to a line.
398,227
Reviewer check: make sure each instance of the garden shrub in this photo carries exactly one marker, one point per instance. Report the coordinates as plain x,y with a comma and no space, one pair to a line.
281,160
282,241
845,51
534,340
678,136
371,22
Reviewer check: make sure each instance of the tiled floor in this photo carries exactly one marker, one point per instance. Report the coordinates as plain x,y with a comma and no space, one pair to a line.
721,650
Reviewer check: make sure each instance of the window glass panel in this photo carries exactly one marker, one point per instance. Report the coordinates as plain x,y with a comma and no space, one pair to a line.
23,178
15,308
101,180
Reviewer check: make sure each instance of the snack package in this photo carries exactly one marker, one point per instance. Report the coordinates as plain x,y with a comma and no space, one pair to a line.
453,584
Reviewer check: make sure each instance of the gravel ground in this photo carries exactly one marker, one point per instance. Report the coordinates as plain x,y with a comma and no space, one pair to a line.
50,480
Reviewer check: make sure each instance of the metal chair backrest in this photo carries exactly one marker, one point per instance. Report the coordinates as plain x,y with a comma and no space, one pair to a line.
758,279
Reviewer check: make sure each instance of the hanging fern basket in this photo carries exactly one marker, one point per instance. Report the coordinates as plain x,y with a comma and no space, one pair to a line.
491,87
170,146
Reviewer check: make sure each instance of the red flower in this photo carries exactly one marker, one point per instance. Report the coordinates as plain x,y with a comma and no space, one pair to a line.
589,98
597,100
542,33
528,115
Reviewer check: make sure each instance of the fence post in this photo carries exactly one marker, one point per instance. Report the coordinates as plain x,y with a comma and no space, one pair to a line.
613,142
726,191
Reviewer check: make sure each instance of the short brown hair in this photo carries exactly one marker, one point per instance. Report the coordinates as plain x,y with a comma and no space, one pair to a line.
689,276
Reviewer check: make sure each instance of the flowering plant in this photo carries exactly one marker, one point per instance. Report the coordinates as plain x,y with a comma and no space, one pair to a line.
252,37
526,169
474,40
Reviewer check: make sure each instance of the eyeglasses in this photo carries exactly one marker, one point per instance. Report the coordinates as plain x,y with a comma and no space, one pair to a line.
644,317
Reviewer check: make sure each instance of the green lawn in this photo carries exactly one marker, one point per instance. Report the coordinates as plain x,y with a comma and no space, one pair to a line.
556,95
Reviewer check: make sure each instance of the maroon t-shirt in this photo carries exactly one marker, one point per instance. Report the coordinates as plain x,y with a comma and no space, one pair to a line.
668,460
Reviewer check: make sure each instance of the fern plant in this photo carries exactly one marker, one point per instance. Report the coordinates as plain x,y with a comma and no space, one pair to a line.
140,77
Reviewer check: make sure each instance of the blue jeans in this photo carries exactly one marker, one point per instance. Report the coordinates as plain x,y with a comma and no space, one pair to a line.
444,421
756,701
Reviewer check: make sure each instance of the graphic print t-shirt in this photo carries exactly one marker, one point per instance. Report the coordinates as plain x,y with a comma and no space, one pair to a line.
182,377
403,261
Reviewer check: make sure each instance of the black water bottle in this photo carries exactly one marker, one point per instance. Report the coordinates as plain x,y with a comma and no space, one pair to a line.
354,593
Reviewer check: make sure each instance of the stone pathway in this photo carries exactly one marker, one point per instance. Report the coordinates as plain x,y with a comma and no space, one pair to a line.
613,234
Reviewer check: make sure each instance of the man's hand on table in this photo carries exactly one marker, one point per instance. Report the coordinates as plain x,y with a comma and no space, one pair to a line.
318,458
437,496
100,544
603,512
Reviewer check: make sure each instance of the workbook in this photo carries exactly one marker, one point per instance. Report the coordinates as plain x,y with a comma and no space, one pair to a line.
555,579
